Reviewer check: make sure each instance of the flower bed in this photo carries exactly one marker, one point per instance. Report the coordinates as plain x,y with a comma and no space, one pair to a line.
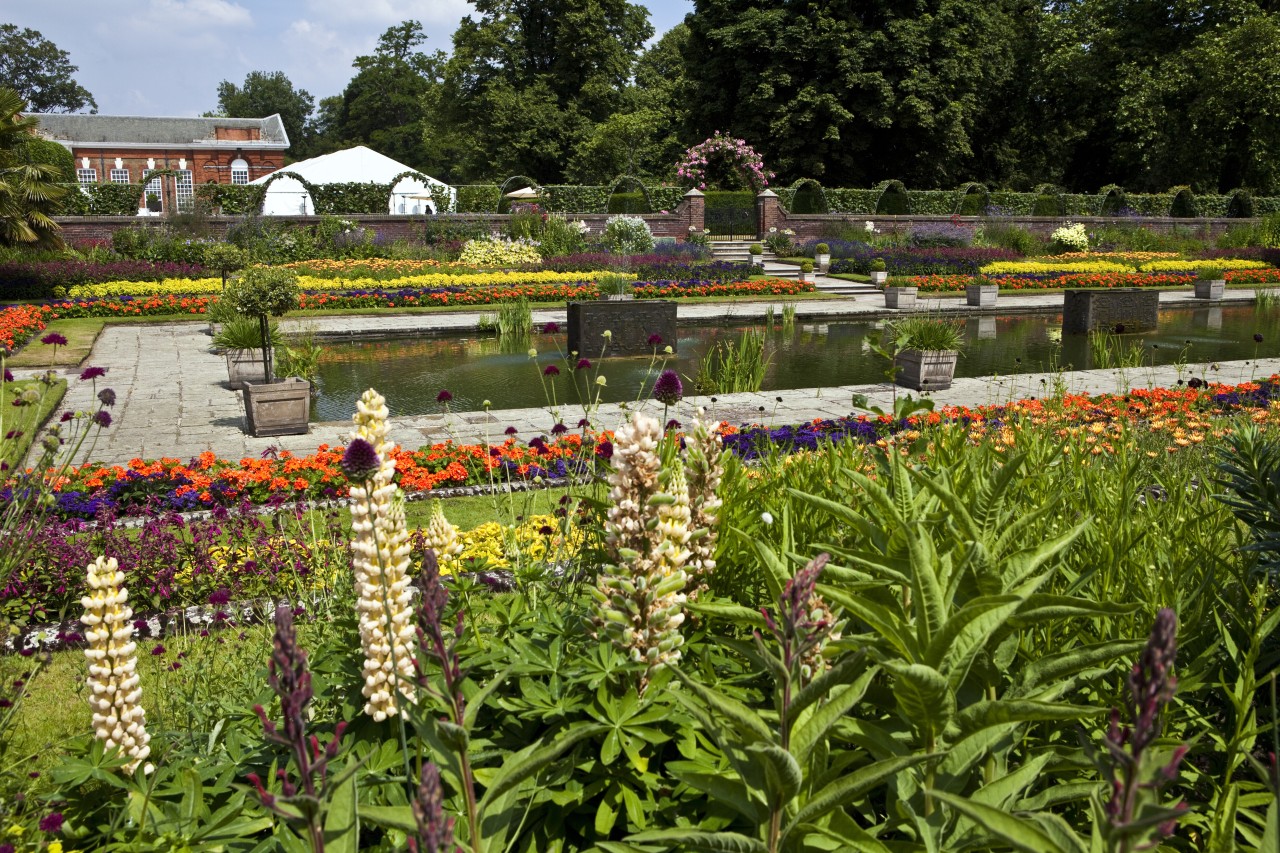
903,260
1050,281
45,279
687,289
20,322
1267,276
651,267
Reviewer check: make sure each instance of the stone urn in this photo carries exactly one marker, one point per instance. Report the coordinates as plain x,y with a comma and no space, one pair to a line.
878,278
925,370
823,261
282,407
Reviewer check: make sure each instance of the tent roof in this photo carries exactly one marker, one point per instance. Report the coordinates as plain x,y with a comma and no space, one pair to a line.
351,165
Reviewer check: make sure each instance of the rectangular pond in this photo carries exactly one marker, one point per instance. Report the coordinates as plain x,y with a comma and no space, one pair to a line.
411,372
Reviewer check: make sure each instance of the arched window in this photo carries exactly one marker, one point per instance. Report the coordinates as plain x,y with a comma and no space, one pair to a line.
239,171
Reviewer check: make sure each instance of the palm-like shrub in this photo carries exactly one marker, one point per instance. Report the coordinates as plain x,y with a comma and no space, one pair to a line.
28,192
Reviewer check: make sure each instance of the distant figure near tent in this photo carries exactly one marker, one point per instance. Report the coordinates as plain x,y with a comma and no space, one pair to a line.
289,197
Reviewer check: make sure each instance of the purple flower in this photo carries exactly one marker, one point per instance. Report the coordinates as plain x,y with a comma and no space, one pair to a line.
157,650
360,461
51,822
559,429
219,597
583,423
8,376
667,390
511,430
583,364
107,397
54,339
1257,338
444,396
605,449
655,340
550,370
92,373
551,329
102,418
538,443
673,424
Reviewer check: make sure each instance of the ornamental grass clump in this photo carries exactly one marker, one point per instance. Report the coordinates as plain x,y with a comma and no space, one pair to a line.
380,557
639,596
115,690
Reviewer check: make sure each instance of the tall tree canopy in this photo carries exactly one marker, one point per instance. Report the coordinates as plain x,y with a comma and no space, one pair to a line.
266,93
34,68
528,81
382,105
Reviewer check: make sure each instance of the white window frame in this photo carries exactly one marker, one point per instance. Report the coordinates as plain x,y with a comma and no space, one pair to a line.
120,176
184,189
239,176
86,177
155,187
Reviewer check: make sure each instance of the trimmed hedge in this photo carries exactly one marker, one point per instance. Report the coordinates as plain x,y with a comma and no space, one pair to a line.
102,200
237,199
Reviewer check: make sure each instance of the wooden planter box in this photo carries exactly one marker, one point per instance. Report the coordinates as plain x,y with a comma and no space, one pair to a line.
244,366
981,295
278,408
925,370
1210,289
900,297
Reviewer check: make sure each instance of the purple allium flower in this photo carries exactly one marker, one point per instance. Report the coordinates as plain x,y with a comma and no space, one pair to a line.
1257,338
538,443
673,424
102,418
605,449
157,650
444,396
583,423
107,397
51,822
550,370
559,429
655,340
511,430
551,329
360,461
66,416
219,597
667,390
54,339
582,364
8,375
92,373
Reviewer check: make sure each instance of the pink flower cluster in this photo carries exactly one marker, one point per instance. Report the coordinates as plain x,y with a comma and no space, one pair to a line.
740,155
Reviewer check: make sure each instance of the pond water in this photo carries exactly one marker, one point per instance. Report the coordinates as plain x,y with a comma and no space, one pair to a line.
411,372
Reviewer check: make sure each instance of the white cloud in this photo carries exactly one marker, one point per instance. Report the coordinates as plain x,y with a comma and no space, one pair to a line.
190,15
390,12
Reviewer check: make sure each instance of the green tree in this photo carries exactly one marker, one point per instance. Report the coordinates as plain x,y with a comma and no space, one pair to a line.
266,93
40,73
28,192
527,82
382,105
849,92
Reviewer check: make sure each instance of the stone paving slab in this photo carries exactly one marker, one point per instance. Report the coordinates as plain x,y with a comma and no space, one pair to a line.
173,399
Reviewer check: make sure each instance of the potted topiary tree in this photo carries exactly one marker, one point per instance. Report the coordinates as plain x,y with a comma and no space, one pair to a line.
900,293
153,202
806,271
981,292
274,406
1210,283
757,254
925,352
224,259
879,272
822,256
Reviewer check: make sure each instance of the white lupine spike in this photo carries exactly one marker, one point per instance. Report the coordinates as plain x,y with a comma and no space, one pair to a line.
113,680
380,549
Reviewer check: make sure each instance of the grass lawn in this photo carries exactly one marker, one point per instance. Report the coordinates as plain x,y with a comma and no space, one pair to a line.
25,421
80,333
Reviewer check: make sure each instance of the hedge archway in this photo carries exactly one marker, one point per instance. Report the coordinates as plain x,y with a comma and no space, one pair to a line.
504,203
972,199
1240,204
807,196
275,176
628,202
892,199
1183,204
1111,199
426,180
1049,201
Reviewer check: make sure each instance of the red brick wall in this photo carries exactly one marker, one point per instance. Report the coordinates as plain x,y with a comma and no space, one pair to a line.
208,166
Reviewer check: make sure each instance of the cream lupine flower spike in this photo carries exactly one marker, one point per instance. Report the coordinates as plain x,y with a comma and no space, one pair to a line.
640,598
705,465
114,688
380,546
442,537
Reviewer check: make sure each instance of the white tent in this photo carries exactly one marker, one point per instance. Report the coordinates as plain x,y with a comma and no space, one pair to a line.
288,197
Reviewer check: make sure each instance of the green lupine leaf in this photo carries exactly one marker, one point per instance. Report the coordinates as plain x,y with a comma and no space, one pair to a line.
849,788
924,698
966,632
810,731
341,823
888,624
844,670
724,786
690,839
528,761
1043,607
735,613
781,774
996,712
392,817
1020,833
1053,667
927,584
748,724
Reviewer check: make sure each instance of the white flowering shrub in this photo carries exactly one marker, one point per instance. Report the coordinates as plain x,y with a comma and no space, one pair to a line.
628,235
499,253
1071,237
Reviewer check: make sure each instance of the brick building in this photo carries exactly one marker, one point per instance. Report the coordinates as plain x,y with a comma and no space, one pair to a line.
124,149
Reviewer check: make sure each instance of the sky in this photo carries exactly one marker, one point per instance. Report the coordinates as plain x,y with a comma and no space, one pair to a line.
167,57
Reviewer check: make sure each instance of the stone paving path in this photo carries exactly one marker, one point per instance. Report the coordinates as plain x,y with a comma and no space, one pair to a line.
172,397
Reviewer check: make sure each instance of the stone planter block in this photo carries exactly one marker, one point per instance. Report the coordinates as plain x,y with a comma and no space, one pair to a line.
1210,289
1135,308
900,297
925,370
807,277
278,408
981,295
244,366
879,278
822,261
630,324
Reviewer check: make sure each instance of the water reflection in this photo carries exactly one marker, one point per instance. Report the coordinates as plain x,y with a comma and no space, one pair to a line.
410,372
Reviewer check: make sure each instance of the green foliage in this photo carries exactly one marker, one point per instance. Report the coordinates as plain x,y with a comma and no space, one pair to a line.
28,194
927,333
1005,235
50,153
615,284
101,199
628,235
733,366
262,292
477,199
239,332
232,198
40,73
267,93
